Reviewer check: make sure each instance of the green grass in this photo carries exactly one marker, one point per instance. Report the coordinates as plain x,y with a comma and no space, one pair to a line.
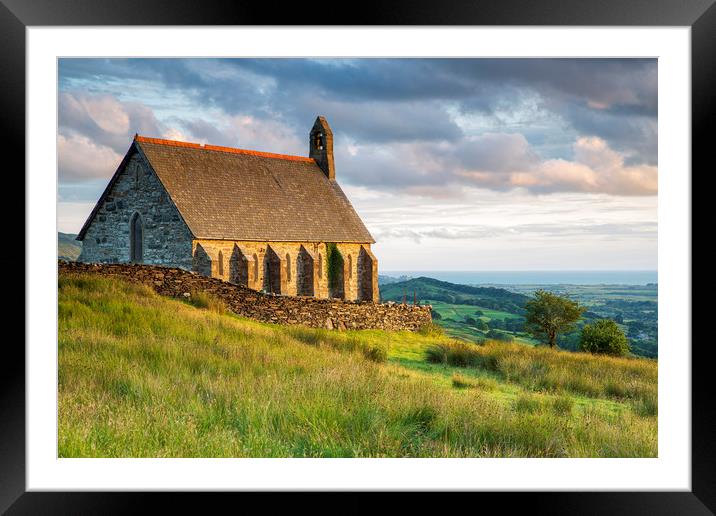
453,316
145,376
455,311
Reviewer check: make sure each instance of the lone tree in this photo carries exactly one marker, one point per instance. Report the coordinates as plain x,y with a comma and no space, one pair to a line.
604,336
549,314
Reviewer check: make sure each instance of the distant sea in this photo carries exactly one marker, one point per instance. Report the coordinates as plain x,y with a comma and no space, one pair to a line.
534,277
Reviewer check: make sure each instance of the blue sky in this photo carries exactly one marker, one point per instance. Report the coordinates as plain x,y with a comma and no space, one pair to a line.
454,164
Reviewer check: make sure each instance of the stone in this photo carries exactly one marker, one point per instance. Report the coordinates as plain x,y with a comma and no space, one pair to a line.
305,311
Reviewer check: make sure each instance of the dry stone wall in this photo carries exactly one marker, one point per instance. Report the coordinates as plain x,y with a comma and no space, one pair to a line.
306,311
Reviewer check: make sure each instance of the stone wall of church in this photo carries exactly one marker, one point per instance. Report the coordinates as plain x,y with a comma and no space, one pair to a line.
166,240
288,268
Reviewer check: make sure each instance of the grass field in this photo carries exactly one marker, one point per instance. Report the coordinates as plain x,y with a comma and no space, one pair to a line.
453,316
145,376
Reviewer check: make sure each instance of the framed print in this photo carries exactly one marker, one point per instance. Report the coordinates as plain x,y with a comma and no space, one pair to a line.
435,250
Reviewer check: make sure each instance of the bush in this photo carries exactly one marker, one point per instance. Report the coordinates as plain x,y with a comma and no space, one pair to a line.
605,337
499,335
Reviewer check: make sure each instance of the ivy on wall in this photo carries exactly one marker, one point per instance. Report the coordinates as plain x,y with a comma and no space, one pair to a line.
334,262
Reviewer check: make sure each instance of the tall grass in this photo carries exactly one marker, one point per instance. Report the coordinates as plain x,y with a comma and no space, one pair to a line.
455,353
201,299
547,370
145,376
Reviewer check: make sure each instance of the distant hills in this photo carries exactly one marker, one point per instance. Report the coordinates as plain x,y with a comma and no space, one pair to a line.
67,247
428,288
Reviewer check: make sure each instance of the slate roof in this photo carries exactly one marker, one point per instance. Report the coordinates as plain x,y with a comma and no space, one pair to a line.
235,194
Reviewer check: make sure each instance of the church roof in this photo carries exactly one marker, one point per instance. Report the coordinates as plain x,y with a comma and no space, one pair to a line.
234,194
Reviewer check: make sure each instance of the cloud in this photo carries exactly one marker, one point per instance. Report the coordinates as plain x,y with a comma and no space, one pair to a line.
246,132
104,119
596,168
495,161
403,99
421,126
495,153
80,158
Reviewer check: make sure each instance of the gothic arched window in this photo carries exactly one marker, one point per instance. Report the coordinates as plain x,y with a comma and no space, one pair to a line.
136,238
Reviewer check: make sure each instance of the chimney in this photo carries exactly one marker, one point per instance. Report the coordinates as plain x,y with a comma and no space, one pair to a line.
321,147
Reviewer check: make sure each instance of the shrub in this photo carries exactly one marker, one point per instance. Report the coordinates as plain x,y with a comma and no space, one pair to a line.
605,337
481,325
499,335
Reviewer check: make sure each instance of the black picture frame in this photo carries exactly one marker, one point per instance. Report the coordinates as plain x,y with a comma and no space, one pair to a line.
16,15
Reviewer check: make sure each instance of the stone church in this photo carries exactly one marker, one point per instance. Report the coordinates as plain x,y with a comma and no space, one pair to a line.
271,222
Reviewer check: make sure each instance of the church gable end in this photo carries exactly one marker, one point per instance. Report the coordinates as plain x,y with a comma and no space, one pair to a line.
136,221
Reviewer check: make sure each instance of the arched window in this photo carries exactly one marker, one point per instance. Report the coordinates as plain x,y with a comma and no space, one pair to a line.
256,267
288,267
221,264
350,266
136,239
320,265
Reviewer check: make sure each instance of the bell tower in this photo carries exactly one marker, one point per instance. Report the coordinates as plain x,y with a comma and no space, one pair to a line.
321,147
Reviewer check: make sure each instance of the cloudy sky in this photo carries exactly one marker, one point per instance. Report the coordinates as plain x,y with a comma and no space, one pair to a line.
454,164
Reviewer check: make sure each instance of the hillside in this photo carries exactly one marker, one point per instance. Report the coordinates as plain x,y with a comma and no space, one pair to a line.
142,375
453,293
67,247
479,313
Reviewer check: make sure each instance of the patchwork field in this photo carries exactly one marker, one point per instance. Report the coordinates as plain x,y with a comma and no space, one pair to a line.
145,376
501,308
